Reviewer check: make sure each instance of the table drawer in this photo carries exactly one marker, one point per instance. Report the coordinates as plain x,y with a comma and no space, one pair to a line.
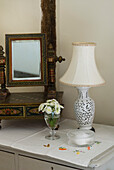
27,163
7,161
8,111
32,111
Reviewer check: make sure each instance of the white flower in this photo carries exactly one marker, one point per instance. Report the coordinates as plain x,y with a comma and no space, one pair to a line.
51,107
48,109
52,104
61,107
52,101
57,109
41,107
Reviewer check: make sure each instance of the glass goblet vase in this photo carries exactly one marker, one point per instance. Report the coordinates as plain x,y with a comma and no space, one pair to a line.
52,122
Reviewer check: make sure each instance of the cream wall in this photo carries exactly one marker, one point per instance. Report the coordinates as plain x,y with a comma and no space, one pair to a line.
89,20
77,20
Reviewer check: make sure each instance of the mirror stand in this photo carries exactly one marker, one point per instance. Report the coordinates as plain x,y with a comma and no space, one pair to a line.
51,60
48,26
3,91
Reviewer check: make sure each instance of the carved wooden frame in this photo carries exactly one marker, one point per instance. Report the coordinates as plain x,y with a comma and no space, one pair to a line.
48,26
43,51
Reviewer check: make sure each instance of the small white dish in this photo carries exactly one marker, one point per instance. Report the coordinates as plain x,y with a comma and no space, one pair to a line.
80,137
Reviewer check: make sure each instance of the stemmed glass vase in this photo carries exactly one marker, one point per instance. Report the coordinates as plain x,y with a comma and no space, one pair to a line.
52,122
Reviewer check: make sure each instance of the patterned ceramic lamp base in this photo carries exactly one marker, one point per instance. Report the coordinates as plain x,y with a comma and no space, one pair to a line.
84,109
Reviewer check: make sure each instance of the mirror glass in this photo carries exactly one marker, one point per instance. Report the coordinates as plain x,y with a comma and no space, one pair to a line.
26,59
22,50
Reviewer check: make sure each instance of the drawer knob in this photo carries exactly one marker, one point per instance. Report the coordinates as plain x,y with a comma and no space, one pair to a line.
52,168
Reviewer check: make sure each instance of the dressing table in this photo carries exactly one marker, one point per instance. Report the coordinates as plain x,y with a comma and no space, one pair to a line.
25,47
23,146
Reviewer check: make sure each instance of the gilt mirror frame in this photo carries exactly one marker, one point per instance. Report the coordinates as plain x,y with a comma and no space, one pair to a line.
36,39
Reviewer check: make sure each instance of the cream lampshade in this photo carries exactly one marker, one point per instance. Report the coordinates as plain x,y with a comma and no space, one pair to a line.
83,74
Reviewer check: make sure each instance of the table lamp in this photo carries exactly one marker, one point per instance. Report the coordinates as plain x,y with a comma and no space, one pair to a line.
83,74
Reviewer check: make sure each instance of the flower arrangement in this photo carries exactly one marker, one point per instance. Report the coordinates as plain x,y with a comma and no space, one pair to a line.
51,107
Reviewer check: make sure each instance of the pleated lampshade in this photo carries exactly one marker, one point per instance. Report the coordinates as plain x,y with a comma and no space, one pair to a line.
82,70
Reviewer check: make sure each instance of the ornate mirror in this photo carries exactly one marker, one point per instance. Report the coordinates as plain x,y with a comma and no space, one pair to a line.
30,60
26,62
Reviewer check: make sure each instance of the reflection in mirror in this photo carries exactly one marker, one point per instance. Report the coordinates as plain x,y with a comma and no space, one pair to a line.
26,59
22,53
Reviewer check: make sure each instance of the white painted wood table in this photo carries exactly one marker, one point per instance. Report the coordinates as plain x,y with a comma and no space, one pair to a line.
23,147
